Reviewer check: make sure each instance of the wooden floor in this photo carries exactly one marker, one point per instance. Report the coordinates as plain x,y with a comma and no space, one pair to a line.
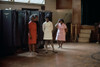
71,55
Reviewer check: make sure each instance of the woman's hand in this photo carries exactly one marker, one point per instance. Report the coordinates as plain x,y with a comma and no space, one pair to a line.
30,37
57,25
66,30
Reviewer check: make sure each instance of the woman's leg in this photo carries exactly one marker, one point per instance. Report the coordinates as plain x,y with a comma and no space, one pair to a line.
58,44
46,43
34,48
30,48
51,42
61,43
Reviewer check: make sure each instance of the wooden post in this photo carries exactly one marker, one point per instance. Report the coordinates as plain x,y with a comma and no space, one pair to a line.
71,32
75,32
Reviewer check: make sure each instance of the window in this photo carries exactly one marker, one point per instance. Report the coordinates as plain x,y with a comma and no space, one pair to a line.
4,0
37,1
31,1
28,1
23,1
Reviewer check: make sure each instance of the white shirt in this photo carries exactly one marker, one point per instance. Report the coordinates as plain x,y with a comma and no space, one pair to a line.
47,29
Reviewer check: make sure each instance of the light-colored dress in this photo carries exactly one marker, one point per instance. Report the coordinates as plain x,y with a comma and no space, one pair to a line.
33,32
47,29
61,32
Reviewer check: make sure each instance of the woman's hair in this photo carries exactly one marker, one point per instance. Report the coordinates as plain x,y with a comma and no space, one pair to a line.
47,17
33,16
61,20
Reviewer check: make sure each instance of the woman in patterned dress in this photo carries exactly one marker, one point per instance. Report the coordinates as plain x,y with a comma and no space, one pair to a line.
61,32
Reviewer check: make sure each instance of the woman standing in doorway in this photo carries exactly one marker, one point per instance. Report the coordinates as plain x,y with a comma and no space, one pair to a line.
61,32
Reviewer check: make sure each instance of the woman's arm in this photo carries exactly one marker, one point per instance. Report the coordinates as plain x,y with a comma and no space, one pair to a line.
29,33
56,25
43,27
51,26
66,30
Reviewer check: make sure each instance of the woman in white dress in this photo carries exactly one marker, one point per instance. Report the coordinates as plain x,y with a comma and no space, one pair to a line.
47,29
61,32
